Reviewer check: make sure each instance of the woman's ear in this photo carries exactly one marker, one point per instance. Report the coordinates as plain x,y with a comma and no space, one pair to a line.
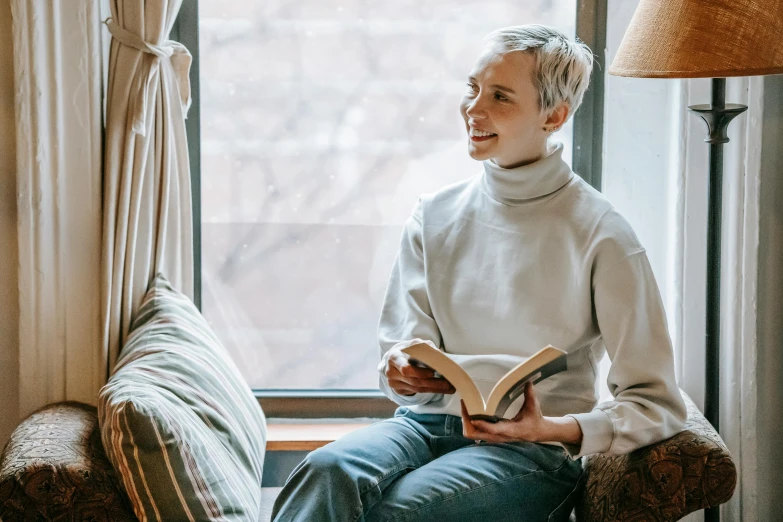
558,116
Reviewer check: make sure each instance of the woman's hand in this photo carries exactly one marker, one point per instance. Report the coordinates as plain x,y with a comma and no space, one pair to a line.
406,379
528,425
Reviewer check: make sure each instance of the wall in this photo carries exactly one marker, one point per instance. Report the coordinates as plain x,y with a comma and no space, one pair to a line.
9,299
770,305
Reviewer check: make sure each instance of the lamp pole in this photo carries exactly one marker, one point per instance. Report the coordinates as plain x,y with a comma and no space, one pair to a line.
717,115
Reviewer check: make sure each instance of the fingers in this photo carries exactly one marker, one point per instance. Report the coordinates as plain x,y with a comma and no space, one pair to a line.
464,410
530,393
440,384
468,430
481,430
415,372
473,430
400,363
405,378
531,406
421,386
487,428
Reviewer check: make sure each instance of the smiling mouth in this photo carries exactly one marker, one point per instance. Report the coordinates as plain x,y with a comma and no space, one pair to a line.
478,135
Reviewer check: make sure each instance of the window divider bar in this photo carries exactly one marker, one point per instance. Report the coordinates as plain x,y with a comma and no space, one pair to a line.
185,31
587,159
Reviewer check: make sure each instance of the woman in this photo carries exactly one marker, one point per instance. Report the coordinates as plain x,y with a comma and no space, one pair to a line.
491,269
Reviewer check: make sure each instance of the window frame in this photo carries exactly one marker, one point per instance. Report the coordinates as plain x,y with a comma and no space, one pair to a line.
591,18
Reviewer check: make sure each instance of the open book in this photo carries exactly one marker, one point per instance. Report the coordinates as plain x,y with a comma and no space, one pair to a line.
544,363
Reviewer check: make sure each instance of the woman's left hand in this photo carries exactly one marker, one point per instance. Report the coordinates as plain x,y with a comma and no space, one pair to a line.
528,425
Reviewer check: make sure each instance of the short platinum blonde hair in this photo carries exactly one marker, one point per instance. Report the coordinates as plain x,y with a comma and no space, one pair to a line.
563,66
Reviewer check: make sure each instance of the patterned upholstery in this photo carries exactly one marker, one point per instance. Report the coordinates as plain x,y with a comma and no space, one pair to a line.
690,471
54,468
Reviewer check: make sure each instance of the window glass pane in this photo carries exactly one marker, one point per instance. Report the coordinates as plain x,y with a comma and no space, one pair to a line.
322,122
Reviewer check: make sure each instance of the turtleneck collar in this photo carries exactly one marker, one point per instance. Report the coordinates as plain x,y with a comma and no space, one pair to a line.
517,185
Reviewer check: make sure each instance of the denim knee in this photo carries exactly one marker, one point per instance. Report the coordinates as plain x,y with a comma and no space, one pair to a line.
320,486
322,464
322,458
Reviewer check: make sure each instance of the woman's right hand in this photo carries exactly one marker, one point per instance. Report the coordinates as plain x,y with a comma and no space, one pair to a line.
406,378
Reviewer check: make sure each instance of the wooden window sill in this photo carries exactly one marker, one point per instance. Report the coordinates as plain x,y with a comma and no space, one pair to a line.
290,436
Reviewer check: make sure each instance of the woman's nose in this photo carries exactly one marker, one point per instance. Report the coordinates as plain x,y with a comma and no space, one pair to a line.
475,108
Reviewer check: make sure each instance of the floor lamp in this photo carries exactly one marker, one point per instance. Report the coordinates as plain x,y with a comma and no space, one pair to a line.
706,39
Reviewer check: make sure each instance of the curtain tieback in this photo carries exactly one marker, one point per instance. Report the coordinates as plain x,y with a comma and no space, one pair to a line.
141,92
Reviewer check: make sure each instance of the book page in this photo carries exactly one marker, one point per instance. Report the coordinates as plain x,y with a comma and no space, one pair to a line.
544,363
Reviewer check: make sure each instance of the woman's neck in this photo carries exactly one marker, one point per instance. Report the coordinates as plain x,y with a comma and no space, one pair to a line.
525,158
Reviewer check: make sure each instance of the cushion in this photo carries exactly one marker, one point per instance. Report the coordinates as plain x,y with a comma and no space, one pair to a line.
54,468
179,423
664,481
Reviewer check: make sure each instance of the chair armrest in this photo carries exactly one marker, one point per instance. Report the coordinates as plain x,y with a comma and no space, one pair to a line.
54,468
664,481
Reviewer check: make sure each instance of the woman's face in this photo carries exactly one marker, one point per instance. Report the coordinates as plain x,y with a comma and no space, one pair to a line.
501,110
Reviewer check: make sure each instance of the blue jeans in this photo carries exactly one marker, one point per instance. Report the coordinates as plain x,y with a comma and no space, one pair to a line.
420,467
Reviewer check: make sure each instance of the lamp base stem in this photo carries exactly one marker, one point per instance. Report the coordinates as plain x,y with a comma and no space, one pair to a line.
717,115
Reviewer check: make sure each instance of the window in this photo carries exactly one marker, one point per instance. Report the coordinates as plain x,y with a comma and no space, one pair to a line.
320,124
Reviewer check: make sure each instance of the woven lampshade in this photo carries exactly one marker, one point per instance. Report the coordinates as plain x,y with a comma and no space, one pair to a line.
702,39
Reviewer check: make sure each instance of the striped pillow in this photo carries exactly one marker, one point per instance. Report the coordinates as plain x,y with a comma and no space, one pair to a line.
178,422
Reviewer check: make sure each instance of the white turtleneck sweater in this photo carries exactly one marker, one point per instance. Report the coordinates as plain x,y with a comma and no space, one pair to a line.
494,268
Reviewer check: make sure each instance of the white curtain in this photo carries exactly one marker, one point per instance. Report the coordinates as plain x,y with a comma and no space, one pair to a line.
147,216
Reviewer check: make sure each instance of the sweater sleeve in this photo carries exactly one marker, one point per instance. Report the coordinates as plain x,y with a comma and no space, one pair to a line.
406,312
647,405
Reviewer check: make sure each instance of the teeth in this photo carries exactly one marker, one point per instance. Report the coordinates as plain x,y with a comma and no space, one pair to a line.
480,133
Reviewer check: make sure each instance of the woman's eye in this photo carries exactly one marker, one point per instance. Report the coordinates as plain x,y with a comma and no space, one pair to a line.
471,87
500,97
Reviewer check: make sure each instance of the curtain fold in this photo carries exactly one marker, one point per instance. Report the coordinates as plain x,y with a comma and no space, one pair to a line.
147,215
